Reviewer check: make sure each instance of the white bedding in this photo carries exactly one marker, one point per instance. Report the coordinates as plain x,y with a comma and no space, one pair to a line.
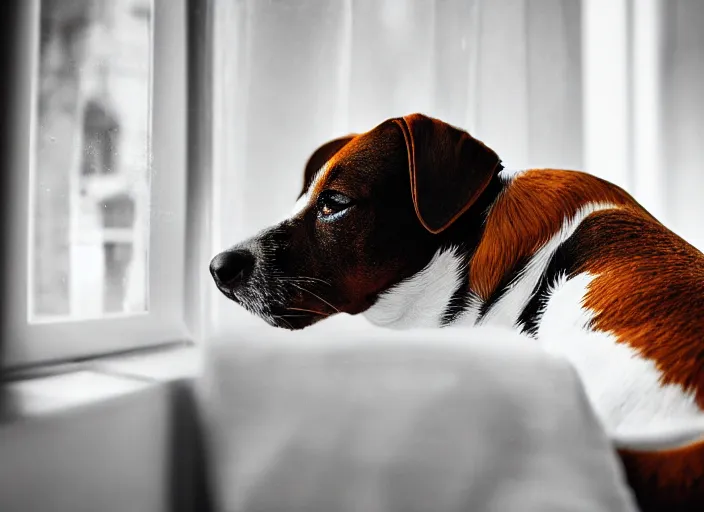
444,420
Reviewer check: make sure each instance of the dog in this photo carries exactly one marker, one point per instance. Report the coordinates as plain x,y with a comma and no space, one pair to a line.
416,223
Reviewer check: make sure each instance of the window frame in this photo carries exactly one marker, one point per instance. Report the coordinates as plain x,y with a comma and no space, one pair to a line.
28,344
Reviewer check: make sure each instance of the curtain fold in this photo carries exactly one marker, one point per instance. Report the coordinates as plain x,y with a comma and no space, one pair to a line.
291,75
683,123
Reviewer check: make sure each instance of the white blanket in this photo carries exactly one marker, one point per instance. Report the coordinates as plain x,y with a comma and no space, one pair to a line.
444,420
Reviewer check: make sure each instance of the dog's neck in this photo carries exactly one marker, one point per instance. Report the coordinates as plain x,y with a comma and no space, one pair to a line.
421,300
425,299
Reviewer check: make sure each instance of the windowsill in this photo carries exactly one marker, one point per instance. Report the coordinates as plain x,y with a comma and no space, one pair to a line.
46,395
96,380
163,365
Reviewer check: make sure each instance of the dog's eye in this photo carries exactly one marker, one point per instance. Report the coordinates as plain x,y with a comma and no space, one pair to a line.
332,204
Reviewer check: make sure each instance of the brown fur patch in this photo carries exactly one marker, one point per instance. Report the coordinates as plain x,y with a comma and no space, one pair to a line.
649,291
667,481
320,156
355,145
529,212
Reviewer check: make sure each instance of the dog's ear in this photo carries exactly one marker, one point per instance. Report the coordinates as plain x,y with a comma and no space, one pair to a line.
320,156
449,169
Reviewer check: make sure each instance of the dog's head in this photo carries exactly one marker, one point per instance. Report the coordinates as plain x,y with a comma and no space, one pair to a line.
373,211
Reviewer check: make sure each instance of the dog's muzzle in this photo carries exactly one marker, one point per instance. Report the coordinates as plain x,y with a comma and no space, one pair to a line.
250,275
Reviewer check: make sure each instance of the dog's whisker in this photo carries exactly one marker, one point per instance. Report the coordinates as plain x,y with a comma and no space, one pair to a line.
308,311
316,296
304,278
281,317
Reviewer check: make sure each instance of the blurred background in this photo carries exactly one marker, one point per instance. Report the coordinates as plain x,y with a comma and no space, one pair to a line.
612,87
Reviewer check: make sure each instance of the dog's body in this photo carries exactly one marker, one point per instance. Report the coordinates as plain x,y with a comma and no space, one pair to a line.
565,258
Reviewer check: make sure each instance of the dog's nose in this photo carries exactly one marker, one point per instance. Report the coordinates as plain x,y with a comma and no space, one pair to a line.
232,267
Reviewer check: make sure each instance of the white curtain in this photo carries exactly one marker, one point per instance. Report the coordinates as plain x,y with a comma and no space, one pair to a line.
289,75
683,118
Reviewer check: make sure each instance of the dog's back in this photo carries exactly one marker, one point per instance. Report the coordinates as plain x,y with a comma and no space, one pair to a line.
618,294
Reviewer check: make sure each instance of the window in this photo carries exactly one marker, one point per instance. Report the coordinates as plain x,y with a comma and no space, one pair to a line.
98,253
89,181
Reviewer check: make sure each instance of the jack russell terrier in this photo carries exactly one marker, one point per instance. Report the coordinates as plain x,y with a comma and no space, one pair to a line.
416,224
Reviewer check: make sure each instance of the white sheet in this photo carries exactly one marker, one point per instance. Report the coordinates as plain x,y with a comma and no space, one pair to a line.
444,420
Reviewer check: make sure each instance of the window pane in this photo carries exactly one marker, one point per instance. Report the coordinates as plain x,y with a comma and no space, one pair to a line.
89,191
